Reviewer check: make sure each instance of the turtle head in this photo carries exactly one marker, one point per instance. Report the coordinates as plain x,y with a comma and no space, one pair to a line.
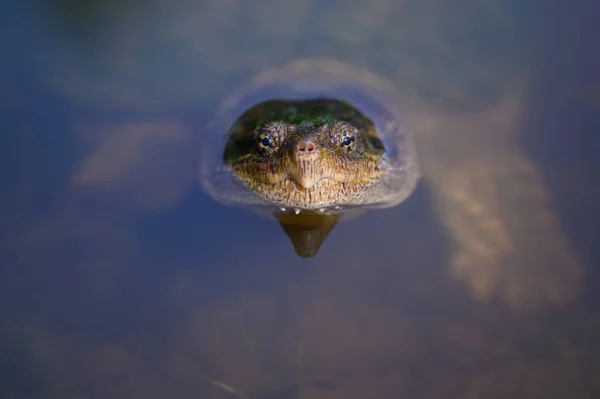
309,161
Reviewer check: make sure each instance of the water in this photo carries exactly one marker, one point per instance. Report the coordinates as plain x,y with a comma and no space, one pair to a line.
121,278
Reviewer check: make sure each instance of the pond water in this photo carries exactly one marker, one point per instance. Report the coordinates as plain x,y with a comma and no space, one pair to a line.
120,277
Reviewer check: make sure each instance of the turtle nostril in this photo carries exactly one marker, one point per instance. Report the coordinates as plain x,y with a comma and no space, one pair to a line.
306,146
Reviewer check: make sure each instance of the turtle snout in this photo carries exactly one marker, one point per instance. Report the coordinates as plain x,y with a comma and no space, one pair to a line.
306,168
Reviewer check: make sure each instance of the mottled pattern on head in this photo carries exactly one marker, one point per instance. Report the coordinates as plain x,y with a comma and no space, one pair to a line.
309,154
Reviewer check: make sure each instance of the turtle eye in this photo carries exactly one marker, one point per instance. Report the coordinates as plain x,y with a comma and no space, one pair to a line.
265,143
348,141
268,137
344,135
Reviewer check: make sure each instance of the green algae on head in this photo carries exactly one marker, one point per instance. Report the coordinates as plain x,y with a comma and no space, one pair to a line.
299,116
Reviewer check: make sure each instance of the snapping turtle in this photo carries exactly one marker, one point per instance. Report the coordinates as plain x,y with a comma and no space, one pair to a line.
284,142
312,142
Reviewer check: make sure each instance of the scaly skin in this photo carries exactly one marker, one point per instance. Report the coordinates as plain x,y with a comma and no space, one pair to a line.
287,173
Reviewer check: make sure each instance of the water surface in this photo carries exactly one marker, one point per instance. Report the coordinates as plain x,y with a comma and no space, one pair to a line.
121,278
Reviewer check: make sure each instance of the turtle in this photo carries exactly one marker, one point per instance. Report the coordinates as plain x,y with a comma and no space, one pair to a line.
308,111
311,143
488,195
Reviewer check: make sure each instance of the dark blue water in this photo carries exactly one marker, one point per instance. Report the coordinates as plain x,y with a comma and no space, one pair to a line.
120,277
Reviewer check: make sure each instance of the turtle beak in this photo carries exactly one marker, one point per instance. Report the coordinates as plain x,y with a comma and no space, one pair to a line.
306,166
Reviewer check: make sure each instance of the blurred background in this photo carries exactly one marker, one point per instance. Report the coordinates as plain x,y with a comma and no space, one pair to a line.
120,278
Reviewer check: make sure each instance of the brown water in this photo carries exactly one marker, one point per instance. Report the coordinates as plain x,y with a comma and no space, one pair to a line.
120,277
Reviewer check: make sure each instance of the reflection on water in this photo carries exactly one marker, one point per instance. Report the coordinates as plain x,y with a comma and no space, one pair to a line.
146,162
497,209
125,280
307,232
